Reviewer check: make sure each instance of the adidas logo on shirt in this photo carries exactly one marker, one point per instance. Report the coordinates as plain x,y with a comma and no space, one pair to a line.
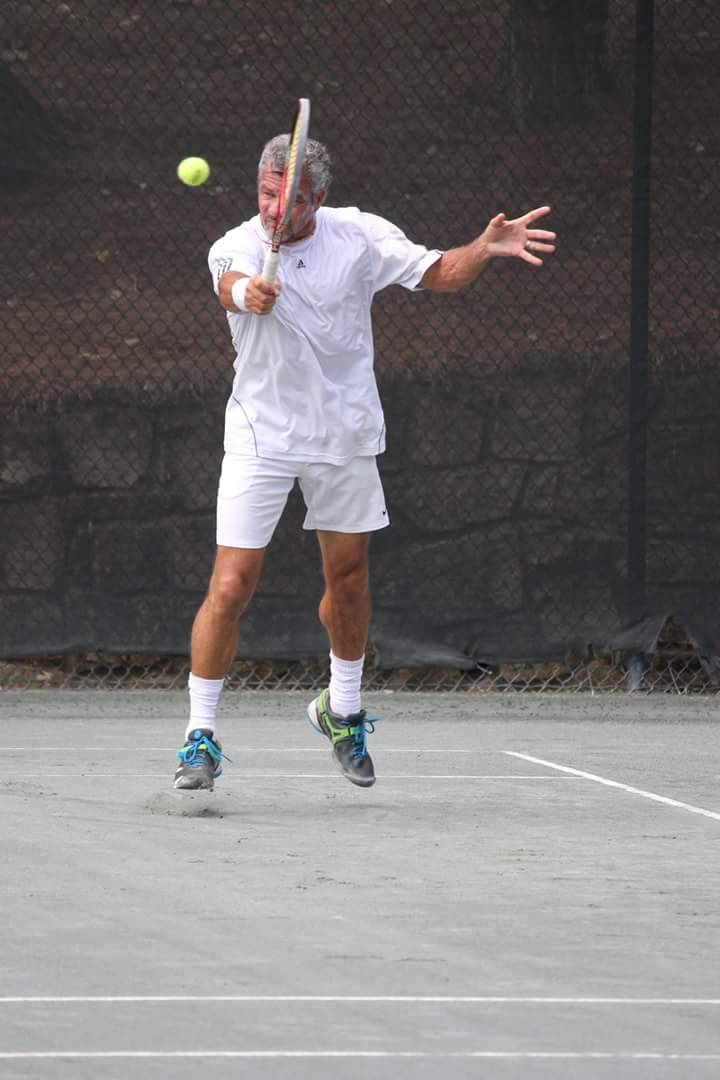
300,265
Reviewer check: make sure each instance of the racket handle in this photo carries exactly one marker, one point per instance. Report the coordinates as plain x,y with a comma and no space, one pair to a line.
269,270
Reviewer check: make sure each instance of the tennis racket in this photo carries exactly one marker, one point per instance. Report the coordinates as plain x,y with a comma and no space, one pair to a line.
289,187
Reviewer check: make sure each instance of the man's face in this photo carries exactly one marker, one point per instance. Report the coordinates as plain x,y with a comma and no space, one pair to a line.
302,221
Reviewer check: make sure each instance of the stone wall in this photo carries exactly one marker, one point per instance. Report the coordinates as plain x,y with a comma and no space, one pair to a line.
507,496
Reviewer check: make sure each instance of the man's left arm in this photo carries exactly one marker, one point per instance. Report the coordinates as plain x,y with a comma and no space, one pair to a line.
460,266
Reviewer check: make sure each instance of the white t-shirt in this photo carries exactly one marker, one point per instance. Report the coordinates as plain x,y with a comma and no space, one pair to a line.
304,385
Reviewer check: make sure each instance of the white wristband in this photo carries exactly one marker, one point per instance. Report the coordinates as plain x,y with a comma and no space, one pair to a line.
238,293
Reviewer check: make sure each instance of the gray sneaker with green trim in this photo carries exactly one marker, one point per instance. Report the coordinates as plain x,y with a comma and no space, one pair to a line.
347,735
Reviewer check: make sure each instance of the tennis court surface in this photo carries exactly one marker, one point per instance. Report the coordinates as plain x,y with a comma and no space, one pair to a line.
529,891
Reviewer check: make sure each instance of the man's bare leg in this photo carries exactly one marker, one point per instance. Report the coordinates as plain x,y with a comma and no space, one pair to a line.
216,629
345,613
215,637
345,606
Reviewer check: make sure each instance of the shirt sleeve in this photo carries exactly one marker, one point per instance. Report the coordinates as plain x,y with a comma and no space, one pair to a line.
395,260
236,250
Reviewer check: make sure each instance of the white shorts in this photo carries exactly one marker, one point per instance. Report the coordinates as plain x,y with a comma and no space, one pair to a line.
253,492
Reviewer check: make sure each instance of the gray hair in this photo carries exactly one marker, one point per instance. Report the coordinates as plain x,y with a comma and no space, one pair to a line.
317,165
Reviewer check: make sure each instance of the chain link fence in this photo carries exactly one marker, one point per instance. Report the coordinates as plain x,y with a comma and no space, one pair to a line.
552,436
673,667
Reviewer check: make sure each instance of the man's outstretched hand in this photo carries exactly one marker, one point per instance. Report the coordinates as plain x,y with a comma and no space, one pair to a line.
518,237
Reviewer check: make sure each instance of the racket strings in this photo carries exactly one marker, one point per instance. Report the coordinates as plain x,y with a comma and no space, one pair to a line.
287,183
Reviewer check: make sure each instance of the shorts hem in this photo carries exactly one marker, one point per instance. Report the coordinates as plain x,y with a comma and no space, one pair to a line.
242,546
376,526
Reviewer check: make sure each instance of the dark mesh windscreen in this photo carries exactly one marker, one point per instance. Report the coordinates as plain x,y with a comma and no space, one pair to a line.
551,472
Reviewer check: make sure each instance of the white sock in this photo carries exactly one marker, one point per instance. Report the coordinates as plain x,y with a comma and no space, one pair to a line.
345,679
204,698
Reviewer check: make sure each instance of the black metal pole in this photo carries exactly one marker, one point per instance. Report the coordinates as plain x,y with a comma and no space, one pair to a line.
638,375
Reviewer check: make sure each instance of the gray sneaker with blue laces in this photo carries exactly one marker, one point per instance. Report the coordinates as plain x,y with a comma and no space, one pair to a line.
200,761
347,735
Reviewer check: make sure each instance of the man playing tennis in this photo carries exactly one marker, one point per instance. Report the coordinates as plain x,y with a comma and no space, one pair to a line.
305,406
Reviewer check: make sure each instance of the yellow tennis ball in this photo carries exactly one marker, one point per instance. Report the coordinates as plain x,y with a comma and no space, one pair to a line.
193,171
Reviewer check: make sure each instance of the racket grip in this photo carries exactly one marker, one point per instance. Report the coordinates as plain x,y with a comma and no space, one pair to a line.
269,270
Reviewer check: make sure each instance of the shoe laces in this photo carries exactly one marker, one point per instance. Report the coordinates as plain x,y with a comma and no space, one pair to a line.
360,731
195,757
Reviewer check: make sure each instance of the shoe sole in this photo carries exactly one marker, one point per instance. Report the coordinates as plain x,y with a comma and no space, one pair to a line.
178,786
311,717
203,785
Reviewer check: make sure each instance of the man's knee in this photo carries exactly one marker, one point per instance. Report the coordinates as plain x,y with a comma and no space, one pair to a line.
232,585
348,578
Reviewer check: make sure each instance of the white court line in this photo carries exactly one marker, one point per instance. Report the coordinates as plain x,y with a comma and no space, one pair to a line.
616,784
547,1055
383,999
91,774
134,747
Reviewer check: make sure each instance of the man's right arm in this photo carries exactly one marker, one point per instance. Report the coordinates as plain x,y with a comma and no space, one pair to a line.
256,296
